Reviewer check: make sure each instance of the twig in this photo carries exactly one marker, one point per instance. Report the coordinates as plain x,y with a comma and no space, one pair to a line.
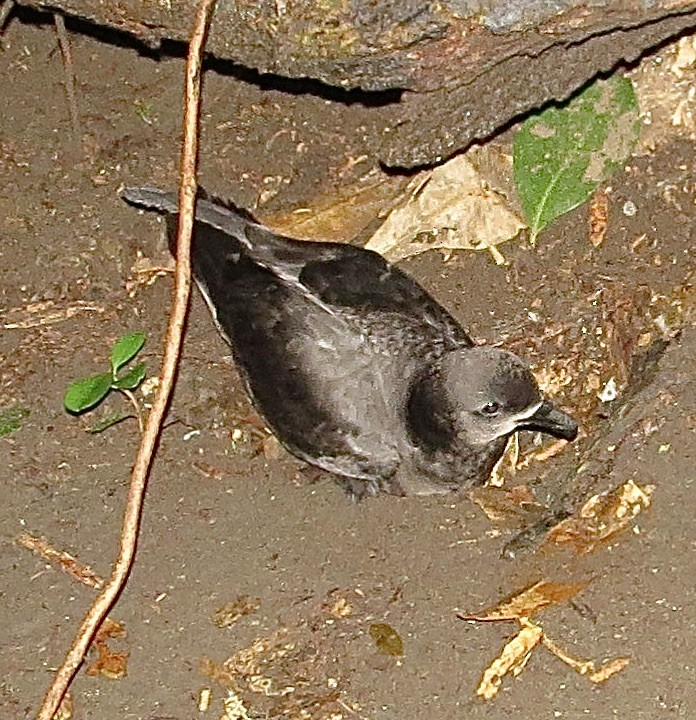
64,45
143,461
63,560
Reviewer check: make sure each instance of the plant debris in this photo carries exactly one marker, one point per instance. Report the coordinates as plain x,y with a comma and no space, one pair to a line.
449,207
46,312
525,603
517,651
598,217
512,659
63,560
228,614
387,640
601,518
516,507
108,664
295,672
344,213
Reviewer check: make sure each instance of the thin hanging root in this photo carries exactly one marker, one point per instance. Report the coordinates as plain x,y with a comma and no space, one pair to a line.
172,349
64,45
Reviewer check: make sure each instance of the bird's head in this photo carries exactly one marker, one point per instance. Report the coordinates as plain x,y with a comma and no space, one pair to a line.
491,393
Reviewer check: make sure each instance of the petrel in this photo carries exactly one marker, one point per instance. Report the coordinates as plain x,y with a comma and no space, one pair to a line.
354,366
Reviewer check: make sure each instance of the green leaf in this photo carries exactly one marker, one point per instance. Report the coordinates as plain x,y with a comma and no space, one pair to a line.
11,419
131,379
85,394
561,155
125,349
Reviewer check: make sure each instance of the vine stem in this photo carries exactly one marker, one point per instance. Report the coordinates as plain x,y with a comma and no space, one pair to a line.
172,349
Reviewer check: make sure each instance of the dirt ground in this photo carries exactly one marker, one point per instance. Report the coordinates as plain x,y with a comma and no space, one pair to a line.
228,515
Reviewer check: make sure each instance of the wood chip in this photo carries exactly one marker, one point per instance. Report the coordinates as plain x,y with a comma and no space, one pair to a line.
598,217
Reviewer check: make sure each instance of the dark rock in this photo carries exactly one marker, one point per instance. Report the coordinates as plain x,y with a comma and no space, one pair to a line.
444,74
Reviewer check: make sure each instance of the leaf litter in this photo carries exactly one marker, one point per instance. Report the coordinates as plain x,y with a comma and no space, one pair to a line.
231,612
344,213
449,207
296,670
530,642
516,652
601,518
108,663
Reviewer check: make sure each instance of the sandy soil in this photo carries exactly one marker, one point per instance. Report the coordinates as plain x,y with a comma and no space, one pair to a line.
229,515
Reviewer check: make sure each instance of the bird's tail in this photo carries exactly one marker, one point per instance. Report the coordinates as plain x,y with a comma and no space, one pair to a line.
150,198
227,218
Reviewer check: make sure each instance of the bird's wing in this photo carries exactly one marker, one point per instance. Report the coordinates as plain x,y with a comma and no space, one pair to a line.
362,281
336,275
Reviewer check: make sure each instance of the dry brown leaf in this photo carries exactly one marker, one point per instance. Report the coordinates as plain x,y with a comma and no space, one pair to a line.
611,668
601,517
108,664
447,207
525,603
345,213
513,507
63,560
598,217
506,466
512,659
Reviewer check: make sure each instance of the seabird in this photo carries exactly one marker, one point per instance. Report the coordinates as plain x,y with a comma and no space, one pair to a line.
353,365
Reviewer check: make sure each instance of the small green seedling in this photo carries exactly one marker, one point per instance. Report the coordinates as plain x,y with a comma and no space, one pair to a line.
11,419
86,394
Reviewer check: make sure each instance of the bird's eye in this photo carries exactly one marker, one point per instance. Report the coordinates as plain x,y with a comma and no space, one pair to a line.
490,409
